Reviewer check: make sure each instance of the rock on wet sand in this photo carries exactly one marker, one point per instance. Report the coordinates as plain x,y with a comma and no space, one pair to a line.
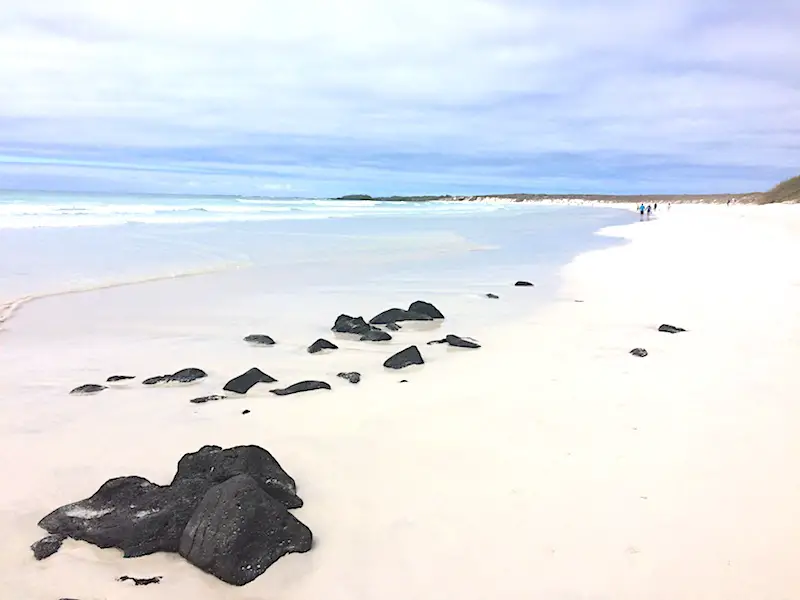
244,382
404,358
375,335
457,342
47,546
320,345
640,352
141,580
204,399
115,378
302,386
88,389
670,329
183,376
353,325
523,284
425,308
259,339
396,315
350,376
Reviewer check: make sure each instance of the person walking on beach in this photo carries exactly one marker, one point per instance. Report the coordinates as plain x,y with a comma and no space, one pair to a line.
641,211
655,206
648,212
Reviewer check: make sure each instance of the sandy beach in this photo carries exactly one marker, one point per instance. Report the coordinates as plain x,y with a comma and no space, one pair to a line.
549,464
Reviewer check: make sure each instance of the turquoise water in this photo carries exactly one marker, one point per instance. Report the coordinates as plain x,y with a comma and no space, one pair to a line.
55,243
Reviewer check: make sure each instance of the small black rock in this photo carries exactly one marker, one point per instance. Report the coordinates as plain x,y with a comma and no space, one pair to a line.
245,381
375,335
348,324
457,342
523,284
320,345
183,376
141,580
351,376
640,352
302,386
204,399
404,358
670,329
114,378
246,411
47,546
89,388
492,296
393,327
259,339
425,308
404,381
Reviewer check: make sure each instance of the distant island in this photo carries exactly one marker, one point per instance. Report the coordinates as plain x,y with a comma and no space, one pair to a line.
786,191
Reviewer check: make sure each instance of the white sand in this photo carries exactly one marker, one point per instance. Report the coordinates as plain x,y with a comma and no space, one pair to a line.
550,464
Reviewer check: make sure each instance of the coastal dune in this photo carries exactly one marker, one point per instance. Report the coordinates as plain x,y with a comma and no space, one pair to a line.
550,463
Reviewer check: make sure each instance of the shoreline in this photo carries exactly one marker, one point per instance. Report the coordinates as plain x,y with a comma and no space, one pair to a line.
604,474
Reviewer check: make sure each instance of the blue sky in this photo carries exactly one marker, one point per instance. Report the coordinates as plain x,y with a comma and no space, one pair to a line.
312,97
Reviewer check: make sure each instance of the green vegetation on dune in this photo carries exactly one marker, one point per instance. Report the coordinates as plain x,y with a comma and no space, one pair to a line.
786,191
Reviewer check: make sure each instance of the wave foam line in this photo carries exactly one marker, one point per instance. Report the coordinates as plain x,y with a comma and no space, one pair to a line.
9,309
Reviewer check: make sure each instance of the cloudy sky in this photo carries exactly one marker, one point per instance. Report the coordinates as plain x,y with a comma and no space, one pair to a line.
315,97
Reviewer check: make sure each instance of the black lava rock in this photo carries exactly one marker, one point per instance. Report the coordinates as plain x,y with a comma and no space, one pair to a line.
302,386
492,296
47,546
238,531
523,284
115,378
259,339
393,327
670,329
395,315
351,376
204,399
88,389
348,324
640,352
130,513
404,358
183,376
458,342
141,580
375,335
246,411
425,308
242,383
320,345
215,465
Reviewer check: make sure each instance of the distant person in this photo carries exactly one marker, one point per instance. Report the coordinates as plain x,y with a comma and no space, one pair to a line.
655,206
641,211
729,201
648,211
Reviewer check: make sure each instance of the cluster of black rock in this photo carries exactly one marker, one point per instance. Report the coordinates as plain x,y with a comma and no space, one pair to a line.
374,330
664,328
225,511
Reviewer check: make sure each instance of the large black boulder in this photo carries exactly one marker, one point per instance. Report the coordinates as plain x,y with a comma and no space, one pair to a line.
241,384
457,342
425,308
395,315
670,329
259,339
130,513
214,465
348,324
404,358
320,345
375,335
239,530
302,386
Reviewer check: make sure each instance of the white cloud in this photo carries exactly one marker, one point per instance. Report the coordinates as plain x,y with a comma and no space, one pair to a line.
700,83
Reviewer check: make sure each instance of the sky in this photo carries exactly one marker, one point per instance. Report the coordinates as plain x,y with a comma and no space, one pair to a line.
321,98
